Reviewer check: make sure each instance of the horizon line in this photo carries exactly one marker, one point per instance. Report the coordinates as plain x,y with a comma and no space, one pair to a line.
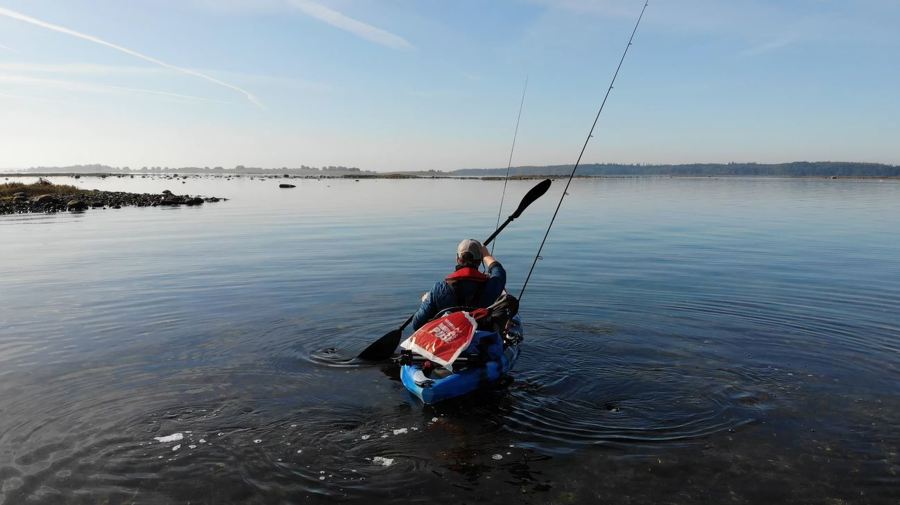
129,169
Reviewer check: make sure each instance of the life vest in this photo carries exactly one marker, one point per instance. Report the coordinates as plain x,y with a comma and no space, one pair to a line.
467,274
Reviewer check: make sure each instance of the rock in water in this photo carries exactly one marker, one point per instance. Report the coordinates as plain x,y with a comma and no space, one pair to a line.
286,186
43,199
76,206
170,199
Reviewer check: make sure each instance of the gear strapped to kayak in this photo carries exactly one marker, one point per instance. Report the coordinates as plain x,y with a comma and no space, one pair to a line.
444,339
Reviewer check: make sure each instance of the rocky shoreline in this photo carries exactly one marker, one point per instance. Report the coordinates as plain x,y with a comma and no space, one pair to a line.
46,198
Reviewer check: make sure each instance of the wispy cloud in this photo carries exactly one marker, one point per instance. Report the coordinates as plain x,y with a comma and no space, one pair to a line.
49,26
19,98
95,88
78,68
346,23
94,70
6,48
601,7
772,45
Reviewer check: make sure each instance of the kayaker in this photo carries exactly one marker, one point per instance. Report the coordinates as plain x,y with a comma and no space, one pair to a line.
466,286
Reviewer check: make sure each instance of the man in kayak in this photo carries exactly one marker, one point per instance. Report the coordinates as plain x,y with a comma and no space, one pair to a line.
465,287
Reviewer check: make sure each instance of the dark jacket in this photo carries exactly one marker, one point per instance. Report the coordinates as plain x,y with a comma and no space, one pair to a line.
442,296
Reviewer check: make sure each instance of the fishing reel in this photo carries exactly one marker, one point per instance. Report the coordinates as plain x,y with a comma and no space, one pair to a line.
405,358
512,335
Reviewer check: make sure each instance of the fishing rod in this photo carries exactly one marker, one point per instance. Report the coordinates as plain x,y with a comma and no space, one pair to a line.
509,164
578,161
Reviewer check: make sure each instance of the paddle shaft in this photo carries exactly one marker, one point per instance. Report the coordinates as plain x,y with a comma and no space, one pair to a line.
498,230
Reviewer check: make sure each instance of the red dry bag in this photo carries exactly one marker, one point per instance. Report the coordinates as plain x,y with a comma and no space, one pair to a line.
442,340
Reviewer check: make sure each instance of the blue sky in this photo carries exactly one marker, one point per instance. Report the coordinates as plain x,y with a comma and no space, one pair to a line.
431,84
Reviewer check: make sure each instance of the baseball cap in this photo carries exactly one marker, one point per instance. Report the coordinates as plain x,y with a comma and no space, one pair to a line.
470,246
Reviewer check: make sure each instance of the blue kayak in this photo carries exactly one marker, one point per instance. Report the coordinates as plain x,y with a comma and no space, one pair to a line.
483,363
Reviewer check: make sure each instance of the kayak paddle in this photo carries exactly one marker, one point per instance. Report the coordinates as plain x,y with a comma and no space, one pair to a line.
384,347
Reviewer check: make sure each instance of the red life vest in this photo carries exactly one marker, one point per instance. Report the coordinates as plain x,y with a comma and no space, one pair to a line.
467,274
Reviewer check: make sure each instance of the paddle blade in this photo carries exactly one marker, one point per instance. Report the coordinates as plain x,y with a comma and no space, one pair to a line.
383,348
532,195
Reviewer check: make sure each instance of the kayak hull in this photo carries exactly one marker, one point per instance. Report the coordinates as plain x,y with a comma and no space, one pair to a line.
441,386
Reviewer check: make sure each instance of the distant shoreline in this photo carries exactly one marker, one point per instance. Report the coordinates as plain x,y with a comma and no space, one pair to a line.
815,169
396,176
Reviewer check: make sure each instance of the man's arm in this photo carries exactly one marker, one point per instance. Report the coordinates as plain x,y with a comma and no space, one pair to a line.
497,281
427,309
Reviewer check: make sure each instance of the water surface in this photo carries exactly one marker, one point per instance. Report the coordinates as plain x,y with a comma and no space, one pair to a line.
687,341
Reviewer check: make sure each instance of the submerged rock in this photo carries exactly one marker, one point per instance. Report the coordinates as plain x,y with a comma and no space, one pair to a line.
43,199
170,199
76,206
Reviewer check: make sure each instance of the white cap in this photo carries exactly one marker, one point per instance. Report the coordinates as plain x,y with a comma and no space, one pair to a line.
471,247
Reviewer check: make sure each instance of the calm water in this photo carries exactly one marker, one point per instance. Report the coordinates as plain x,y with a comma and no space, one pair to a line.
687,341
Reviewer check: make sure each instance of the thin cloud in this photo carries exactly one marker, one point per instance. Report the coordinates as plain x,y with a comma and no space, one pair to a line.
19,98
95,88
614,8
127,70
78,68
6,48
346,23
49,26
771,45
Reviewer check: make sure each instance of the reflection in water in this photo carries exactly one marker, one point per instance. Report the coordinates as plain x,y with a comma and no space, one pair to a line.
688,341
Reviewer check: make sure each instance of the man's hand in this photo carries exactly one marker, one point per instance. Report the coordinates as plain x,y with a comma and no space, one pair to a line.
486,257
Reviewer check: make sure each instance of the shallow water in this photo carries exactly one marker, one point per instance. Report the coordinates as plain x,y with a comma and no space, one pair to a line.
687,340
